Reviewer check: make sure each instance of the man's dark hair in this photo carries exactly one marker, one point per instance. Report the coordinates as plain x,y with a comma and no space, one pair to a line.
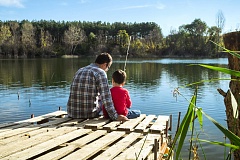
103,58
119,76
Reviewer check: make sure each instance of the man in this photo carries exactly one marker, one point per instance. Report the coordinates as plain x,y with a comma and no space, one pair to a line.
89,87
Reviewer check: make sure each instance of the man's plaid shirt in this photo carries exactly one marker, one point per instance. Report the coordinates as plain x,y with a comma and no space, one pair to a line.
87,84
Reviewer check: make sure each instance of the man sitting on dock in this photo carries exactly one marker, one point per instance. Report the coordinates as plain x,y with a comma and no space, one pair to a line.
89,85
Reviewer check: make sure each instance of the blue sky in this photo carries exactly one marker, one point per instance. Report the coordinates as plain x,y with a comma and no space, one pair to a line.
168,14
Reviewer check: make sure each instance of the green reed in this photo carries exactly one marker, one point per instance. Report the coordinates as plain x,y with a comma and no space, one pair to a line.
195,112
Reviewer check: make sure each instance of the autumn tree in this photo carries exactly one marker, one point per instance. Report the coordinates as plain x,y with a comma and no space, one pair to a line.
28,41
14,42
123,40
46,41
101,40
154,41
92,41
5,34
213,36
73,37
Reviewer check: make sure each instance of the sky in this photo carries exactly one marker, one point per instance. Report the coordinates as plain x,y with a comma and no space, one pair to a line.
168,14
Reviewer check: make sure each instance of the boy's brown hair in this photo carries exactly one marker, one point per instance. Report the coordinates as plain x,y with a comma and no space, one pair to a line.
119,76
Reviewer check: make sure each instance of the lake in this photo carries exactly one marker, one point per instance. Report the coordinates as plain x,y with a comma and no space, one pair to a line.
40,86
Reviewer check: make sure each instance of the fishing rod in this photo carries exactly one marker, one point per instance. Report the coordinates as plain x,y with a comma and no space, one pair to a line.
127,53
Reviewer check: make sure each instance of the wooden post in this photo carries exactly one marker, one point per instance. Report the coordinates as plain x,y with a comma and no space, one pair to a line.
179,115
161,139
155,149
166,129
170,127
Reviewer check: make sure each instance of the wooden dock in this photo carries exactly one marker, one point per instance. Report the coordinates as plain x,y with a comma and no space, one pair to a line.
56,136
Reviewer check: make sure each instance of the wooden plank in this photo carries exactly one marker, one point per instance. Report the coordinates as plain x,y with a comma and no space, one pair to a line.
94,147
145,123
112,125
129,125
24,136
72,123
117,148
4,125
84,140
42,147
17,131
11,148
81,123
97,123
141,149
160,124
9,128
70,147
57,121
45,116
28,128
24,133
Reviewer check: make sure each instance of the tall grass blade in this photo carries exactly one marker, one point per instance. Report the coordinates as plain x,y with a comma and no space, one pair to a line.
185,125
231,136
227,50
200,117
220,69
210,80
220,143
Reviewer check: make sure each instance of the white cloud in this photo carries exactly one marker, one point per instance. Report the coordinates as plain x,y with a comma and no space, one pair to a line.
12,3
158,6
133,7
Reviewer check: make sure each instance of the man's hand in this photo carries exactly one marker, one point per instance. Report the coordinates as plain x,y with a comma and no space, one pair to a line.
122,118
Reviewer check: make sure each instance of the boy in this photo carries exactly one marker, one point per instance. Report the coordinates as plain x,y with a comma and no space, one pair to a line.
120,96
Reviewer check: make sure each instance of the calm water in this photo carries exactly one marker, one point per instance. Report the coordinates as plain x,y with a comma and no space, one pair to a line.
40,86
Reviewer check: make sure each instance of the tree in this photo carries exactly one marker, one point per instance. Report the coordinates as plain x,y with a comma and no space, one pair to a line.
196,39
14,42
73,36
28,41
213,36
154,40
5,33
220,21
231,41
46,41
92,42
123,40
101,41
